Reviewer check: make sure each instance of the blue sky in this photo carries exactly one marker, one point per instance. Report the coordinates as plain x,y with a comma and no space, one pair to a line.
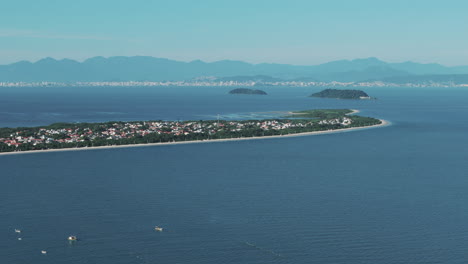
302,32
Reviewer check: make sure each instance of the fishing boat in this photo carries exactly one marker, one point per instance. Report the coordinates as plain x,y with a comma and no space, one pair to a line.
17,231
159,229
43,252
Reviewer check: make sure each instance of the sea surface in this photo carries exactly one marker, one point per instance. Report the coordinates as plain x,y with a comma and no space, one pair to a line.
395,194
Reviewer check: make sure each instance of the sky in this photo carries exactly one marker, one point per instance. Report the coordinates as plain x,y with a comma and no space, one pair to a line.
302,32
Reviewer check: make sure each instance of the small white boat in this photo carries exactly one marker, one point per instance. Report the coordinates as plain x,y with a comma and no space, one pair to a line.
159,229
72,238
43,252
19,238
17,231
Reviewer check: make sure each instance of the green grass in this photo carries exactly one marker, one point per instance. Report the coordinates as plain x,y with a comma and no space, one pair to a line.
321,113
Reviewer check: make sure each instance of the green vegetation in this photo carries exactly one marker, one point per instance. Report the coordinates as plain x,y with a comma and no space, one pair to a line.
247,91
67,135
341,94
321,113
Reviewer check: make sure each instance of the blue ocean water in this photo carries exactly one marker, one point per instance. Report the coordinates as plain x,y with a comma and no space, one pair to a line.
396,194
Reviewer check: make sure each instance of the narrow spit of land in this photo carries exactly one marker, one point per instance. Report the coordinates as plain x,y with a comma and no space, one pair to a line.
85,136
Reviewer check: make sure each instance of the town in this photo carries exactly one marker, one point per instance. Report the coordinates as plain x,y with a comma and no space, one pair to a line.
209,82
140,132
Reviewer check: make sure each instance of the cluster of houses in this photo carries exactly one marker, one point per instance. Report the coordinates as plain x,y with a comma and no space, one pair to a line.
345,121
122,130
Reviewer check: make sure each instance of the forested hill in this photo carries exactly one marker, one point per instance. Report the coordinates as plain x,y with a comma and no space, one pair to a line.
341,94
247,91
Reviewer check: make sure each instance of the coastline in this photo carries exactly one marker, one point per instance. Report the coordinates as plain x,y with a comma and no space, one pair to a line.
354,111
384,123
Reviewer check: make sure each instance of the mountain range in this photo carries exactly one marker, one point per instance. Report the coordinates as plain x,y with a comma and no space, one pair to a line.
144,68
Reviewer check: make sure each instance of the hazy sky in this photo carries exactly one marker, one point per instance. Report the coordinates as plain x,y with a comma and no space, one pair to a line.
290,31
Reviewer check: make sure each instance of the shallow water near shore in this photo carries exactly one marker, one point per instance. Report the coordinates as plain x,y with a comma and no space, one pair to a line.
390,195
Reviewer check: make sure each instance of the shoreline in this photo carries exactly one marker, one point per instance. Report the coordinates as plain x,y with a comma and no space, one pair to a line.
354,111
384,123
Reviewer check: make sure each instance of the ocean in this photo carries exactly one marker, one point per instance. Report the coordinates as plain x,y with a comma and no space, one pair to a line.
395,194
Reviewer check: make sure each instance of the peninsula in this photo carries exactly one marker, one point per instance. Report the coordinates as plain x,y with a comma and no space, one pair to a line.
88,135
341,94
247,91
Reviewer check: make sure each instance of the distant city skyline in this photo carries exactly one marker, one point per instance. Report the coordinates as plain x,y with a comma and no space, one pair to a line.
297,32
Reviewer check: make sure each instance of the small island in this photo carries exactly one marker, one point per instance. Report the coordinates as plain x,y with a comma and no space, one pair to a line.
341,94
247,91
74,136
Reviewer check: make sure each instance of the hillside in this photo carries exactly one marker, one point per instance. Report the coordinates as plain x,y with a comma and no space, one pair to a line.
247,91
141,68
341,94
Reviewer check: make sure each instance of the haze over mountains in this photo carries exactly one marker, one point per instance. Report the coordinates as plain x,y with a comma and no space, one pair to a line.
142,68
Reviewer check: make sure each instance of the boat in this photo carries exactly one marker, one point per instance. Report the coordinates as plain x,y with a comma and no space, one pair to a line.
44,252
72,238
159,229
19,238
17,231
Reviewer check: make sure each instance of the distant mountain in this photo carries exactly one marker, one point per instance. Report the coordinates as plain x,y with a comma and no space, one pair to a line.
349,65
141,68
418,68
372,72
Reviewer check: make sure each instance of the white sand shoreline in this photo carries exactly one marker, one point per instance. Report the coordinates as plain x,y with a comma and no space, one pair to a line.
354,111
384,123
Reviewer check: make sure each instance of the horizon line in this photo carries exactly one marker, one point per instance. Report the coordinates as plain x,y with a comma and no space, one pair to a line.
231,60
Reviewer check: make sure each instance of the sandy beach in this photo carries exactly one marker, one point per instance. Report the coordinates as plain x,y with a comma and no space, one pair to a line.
384,123
354,111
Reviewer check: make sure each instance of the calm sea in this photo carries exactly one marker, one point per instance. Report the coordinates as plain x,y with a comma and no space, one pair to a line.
397,194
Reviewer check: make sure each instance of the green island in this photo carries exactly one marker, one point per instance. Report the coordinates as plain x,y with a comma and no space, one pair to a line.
341,94
83,135
247,91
